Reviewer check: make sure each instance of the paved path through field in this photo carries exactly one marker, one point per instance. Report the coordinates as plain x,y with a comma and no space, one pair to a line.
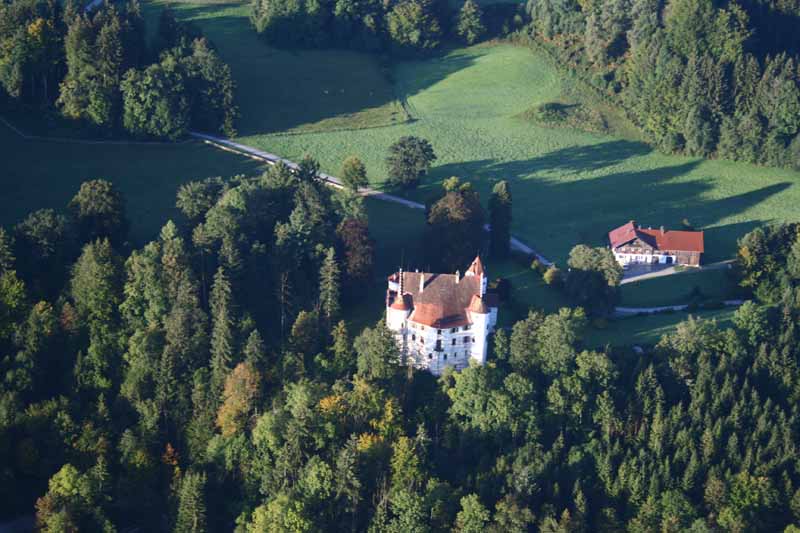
516,244
260,155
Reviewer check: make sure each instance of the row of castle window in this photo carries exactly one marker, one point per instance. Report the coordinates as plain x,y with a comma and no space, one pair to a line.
439,331
430,355
438,343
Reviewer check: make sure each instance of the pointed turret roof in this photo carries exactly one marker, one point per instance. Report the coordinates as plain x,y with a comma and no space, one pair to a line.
402,302
476,267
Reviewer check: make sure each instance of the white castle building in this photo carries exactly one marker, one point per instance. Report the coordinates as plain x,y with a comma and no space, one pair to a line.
441,320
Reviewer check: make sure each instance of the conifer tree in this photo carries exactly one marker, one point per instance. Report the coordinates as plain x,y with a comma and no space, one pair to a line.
329,285
200,429
469,23
221,331
500,220
191,516
7,258
254,350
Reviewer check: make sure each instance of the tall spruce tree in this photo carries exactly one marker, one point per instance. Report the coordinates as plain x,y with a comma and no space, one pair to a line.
7,259
329,289
191,516
221,331
500,220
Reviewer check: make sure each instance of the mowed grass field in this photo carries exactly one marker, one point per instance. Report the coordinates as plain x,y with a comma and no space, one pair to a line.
648,330
569,186
40,174
681,288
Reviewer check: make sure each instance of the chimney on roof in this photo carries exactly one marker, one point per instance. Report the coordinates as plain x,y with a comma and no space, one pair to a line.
422,282
662,230
458,276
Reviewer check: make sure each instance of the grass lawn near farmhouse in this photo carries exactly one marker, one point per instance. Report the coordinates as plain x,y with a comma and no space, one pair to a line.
569,186
680,288
648,330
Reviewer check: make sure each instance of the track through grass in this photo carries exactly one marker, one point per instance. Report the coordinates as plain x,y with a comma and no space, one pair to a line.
569,186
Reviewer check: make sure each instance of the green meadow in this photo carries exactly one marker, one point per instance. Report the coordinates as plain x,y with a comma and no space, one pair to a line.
41,174
475,106
648,330
569,186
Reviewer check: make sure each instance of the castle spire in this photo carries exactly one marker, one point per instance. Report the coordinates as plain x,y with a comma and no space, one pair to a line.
400,291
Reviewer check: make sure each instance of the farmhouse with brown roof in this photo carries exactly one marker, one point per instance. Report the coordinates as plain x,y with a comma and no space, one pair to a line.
634,244
441,320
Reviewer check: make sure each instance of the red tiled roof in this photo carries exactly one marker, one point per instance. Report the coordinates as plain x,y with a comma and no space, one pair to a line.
476,267
402,303
622,234
477,305
445,298
682,241
667,240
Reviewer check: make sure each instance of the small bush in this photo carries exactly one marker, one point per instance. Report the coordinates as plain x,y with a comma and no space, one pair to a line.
552,276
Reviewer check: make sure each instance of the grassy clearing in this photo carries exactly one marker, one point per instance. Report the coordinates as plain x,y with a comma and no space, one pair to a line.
40,175
291,91
569,186
648,330
680,288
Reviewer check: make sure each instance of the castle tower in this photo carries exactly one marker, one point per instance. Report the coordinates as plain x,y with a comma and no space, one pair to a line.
398,311
480,315
476,269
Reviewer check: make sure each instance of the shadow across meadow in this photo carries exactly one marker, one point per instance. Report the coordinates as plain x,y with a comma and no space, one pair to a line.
562,211
283,89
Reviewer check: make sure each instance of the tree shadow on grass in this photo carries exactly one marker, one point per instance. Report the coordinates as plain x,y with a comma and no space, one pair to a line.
554,213
429,71
282,89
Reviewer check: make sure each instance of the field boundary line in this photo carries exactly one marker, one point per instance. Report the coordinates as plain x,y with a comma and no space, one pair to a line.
66,140
260,155
294,133
630,311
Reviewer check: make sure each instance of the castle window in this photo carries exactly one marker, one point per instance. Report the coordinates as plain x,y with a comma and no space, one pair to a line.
454,342
445,357
438,332
430,356
467,327
413,337
473,339
453,330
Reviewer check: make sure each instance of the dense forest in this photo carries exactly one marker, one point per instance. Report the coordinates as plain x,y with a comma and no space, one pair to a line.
95,67
699,77
207,382
402,28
